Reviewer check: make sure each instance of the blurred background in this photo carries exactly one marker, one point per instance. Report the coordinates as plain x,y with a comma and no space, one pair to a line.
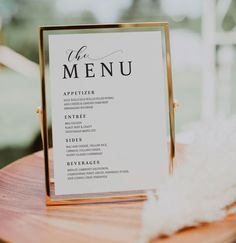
203,41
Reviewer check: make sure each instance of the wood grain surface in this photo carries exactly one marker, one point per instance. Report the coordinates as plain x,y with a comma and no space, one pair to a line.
25,218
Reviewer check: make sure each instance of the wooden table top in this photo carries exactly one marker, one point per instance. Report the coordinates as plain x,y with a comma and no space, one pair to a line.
25,218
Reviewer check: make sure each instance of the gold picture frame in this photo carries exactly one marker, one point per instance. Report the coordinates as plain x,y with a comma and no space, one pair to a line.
49,182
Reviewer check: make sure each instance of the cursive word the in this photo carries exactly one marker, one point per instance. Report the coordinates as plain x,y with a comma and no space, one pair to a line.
78,55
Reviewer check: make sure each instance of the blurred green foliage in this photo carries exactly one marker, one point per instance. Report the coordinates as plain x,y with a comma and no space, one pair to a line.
21,19
229,20
20,25
150,10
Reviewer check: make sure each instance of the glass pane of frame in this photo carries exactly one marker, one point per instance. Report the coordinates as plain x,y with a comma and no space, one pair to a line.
53,198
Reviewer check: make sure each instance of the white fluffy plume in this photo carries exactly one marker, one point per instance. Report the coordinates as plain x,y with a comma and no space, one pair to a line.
203,184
